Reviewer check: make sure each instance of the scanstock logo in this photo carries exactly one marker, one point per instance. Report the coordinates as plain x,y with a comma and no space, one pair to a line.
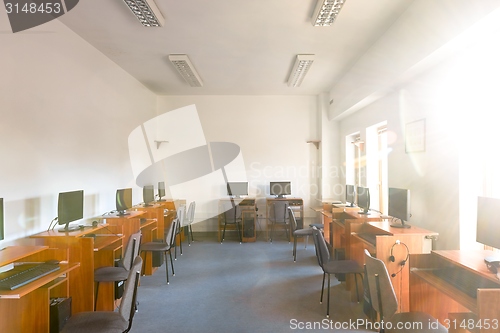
26,14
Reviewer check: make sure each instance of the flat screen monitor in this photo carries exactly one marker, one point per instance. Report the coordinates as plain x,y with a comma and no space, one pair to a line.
2,233
161,191
350,195
123,200
399,207
488,222
280,189
237,189
69,209
148,195
363,199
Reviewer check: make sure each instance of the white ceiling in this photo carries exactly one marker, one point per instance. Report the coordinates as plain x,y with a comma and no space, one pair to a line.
239,47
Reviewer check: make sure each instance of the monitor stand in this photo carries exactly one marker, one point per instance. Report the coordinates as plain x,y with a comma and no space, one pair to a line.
364,212
67,228
122,213
400,225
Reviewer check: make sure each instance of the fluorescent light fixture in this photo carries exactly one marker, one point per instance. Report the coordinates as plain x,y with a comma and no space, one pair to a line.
326,12
146,12
186,69
302,64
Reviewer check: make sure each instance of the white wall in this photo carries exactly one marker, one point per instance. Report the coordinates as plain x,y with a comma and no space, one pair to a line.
271,131
66,113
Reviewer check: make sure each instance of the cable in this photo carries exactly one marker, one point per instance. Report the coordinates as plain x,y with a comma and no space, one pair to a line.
51,222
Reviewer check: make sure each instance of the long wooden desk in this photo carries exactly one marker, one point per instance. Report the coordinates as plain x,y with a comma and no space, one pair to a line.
27,308
248,218
297,204
91,247
384,241
443,300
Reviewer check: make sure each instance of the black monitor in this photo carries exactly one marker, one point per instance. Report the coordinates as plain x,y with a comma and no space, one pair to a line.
2,234
161,191
363,196
237,189
280,189
350,195
148,195
123,200
488,225
69,209
399,206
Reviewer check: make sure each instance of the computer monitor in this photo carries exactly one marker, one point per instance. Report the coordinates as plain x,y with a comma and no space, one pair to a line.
123,200
363,196
237,189
280,189
350,195
488,224
69,209
2,233
148,195
161,191
399,207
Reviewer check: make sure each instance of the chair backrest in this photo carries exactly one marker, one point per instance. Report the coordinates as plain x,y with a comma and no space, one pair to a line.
190,212
322,252
171,232
232,212
280,211
293,220
132,250
127,304
181,215
382,293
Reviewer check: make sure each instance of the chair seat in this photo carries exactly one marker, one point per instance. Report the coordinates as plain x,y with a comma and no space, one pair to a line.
417,322
108,274
342,267
317,225
155,246
303,232
96,322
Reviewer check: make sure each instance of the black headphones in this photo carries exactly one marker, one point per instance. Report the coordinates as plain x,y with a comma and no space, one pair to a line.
393,259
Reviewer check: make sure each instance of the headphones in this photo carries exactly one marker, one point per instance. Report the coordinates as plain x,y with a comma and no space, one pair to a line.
393,259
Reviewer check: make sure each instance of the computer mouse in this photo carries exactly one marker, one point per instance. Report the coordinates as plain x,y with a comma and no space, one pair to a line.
52,262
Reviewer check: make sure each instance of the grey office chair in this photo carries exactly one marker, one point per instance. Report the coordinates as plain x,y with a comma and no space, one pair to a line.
297,232
181,217
110,321
279,215
232,215
331,266
384,301
164,247
120,272
190,220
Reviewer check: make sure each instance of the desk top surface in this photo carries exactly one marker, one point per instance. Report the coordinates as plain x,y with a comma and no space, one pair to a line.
76,233
386,227
471,259
14,253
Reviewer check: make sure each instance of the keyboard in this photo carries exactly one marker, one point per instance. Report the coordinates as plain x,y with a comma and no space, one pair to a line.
21,275
464,280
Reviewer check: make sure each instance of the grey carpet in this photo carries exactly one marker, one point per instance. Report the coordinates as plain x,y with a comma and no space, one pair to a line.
249,287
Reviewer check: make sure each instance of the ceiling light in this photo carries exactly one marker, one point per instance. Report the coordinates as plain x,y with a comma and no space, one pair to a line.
302,64
186,69
326,12
146,12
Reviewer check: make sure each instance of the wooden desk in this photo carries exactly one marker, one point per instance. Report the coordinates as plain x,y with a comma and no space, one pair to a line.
379,238
248,218
128,224
90,253
149,231
155,211
439,298
297,204
26,309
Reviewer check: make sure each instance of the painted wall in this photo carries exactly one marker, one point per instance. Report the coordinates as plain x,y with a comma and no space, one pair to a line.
272,132
66,113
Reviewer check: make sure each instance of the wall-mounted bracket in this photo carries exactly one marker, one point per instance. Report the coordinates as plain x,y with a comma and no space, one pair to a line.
158,143
315,142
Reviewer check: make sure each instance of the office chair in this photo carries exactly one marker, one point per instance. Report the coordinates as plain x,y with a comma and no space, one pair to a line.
232,215
110,321
165,246
385,303
190,220
181,216
120,272
297,232
279,215
330,266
